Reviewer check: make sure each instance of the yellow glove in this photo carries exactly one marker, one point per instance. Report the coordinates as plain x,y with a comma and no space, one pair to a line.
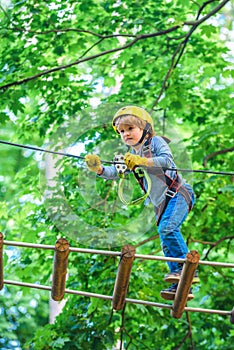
93,162
133,160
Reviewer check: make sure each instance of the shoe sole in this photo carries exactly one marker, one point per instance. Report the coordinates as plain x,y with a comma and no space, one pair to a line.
171,296
177,279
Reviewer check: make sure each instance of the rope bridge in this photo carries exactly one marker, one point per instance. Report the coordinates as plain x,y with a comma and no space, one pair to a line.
127,256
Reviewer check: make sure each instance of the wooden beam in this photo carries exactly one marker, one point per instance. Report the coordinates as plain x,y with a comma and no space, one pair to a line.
1,260
60,269
123,276
183,289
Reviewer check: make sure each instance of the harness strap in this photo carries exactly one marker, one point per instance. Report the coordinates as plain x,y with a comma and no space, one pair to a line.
145,132
161,209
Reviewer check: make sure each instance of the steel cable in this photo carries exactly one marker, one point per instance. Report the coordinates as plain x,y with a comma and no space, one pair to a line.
38,149
107,297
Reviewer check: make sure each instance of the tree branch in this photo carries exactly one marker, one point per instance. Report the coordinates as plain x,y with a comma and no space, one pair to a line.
146,240
201,242
213,244
103,53
181,47
187,335
65,30
190,329
131,43
202,7
217,243
216,153
4,11
210,14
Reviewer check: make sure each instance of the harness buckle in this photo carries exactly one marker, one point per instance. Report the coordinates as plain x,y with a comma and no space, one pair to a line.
120,166
171,193
140,172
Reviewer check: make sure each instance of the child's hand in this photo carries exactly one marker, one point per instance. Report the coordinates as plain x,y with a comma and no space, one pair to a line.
132,160
93,162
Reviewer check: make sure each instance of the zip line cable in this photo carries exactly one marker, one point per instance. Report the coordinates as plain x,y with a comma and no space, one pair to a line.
38,149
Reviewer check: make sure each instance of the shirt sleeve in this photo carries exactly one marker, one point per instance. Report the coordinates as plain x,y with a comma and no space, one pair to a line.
109,173
161,153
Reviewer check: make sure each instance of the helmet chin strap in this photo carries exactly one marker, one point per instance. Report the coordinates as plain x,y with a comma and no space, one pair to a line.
145,132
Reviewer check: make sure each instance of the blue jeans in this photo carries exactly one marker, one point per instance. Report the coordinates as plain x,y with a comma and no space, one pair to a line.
172,241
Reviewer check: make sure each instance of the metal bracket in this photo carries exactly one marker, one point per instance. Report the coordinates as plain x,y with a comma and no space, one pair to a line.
170,193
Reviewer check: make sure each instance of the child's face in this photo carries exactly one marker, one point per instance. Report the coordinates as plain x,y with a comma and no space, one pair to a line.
130,134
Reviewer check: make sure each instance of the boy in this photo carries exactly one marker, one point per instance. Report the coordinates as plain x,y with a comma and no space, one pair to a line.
171,196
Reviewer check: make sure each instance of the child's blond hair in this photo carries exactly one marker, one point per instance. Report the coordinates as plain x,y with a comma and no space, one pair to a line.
132,120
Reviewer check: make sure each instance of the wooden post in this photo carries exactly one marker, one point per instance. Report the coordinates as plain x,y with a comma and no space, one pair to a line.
123,276
60,269
1,260
189,268
232,316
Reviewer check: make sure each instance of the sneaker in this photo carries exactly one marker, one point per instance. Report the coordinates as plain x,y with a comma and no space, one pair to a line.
174,277
169,293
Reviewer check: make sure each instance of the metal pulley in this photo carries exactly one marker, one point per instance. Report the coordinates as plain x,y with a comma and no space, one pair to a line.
120,166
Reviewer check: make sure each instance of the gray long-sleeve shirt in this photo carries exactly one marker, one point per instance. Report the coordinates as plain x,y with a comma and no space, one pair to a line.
162,157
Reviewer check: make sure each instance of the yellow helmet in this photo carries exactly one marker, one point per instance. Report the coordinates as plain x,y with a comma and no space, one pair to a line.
133,110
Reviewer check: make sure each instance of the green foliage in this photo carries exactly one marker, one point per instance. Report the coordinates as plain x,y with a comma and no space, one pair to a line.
56,62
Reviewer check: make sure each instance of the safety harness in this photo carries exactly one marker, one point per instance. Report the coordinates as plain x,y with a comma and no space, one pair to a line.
173,185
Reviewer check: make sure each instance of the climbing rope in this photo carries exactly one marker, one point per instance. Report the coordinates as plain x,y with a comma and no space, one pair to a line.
38,149
144,173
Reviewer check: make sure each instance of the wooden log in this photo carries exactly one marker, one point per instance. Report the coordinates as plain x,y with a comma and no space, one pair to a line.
123,277
60,269
183,289
1,260
232,316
